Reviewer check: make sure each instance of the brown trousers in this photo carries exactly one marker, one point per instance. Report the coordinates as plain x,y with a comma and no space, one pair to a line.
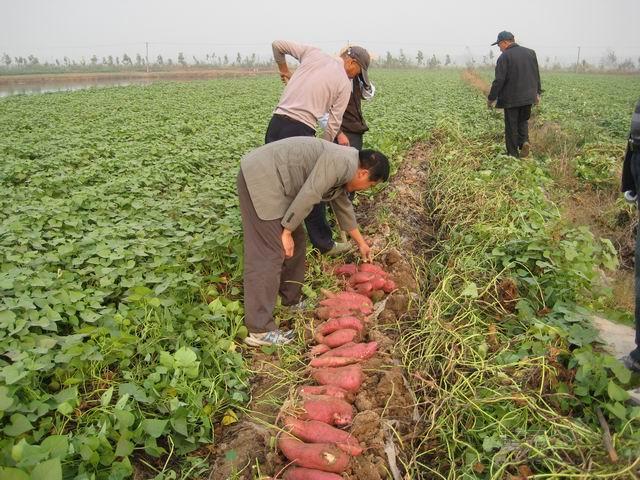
266,271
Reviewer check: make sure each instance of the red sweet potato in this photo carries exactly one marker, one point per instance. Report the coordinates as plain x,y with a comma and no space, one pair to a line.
353,296
338,323
345,270
348,378
362,351
364,288
340,337
350,303
327,409
322,361
377,283
360,277
330,390
298,473
320,348
325,313
370,267
321,456
389,286
313,431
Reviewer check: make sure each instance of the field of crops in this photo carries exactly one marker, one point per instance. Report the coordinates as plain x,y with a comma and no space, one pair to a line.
120,276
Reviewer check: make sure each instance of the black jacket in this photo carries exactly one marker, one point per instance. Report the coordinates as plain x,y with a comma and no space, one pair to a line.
352,119
633,150
517,80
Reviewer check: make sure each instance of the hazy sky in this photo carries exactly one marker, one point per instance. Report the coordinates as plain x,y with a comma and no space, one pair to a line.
554,28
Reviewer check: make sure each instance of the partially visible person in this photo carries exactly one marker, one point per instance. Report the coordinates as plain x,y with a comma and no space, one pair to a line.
515,88
320,84
631,187
278,184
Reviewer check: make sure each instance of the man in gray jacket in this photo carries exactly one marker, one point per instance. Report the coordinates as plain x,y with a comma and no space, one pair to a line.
515,88
278,184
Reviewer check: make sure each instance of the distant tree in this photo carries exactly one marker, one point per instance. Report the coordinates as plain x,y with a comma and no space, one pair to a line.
420,58
195,60
66,61
402,58
94,60
627,65
491,55
160,60
126,59
610,60
170,62
139,60
57,62
447,60
83,62
110,60
389,59
118,61
6,59
226,60
238,59
213,58
33,60
181,59
434,62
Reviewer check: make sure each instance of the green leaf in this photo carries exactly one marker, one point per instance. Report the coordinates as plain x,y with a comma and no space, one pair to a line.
154,427
616,392
124,447
470,290
49,470
185,357
7,473
19,425
617,409
7,318
6,400
12,373
105,398
56,445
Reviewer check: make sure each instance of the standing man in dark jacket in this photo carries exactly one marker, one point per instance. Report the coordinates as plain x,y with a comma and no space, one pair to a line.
515,88
631,187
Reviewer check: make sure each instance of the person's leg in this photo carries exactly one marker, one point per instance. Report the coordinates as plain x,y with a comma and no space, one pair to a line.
524,113
282,127
635,171
318,228
263,260
511,131
292,276
355,140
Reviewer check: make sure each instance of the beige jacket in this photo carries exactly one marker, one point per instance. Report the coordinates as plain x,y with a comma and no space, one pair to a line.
287,178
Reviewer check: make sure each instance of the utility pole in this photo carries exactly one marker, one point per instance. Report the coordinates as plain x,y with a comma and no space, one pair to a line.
578,60
147,56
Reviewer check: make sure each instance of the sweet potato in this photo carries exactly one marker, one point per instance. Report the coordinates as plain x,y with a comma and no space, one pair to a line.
313,431
298,473
348,378
322,361
340,337
351,303
327,409
362,351
321,456
330,390
345,270
389,286
378,282
353,296
370,267
320,348
325,313
363,288
338,323
360,277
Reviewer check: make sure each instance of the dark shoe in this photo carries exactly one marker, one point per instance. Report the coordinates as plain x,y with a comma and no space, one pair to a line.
339,248
525,150
630,363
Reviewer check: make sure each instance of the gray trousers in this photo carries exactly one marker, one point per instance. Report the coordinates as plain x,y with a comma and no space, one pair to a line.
266,271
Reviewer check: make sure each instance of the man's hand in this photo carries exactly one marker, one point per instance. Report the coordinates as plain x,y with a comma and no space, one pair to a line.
287,243
365,252
342,139
537,100
491,104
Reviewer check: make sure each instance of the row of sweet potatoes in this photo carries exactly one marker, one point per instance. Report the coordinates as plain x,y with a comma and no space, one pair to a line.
314,440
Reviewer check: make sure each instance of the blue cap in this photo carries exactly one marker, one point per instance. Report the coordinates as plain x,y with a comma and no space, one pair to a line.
503,35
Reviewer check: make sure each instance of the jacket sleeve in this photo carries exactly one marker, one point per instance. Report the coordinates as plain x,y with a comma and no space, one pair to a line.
321,179
628,182
296,50
343,208
336,112
535,61
500,78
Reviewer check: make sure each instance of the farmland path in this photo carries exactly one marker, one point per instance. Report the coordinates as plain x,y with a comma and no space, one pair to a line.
619,341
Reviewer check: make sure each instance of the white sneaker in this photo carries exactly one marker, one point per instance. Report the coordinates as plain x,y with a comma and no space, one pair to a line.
274,337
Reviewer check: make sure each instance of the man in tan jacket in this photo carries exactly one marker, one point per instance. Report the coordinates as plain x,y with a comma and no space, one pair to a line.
278,184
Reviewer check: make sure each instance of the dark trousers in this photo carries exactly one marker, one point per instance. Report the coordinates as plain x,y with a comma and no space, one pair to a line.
281,127
635,171
266,271
319,231
516,128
